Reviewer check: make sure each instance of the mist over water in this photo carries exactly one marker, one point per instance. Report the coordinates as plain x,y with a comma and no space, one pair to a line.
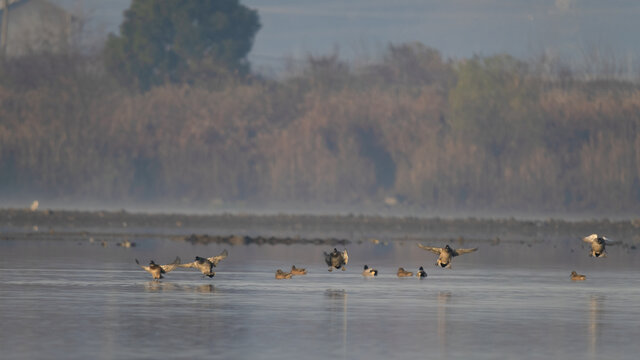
306,208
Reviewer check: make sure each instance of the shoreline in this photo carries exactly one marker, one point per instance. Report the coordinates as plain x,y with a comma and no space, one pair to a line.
74,223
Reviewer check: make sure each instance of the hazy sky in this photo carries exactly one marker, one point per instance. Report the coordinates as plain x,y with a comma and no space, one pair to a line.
458,28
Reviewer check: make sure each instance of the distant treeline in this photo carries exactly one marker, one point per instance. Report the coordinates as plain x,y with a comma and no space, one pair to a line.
489,133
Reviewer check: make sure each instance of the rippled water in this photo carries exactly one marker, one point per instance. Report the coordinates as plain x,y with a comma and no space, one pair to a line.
70,299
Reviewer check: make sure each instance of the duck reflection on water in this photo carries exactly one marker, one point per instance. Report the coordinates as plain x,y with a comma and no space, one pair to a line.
338,306
443,300
160,286
595,315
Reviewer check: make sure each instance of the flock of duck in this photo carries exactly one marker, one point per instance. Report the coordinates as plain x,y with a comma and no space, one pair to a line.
339,259
204,265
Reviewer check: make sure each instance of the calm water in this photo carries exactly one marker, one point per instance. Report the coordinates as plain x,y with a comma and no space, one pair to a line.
70,299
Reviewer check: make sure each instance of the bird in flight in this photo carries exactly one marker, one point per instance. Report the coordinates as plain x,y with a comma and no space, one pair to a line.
598,243
157,270
206,265
446,254
336,259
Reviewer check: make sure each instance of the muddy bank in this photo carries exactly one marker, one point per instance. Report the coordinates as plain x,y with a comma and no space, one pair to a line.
236,240
225,228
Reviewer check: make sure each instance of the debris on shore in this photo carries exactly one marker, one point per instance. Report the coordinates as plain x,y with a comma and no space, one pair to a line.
236,240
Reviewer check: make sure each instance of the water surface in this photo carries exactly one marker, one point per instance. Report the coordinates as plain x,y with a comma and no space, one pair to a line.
72,299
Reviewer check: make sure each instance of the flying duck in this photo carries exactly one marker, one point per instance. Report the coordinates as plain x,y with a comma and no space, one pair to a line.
157,270
206,265
336,259
598,244
446,254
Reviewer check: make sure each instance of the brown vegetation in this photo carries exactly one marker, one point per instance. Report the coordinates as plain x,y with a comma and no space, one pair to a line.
483,133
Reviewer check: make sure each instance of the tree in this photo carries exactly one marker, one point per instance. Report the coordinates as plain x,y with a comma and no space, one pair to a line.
169,41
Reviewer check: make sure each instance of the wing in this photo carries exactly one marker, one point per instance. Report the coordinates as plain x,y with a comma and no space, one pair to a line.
457,252
327,258
216,259
345,256
146,268
610,242
434,250
590,239
188,265
171,266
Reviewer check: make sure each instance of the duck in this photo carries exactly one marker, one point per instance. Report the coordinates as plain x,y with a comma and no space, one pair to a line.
283,275
598,243
206,265
421,274
369,272
156,270
446,254
577,277
404,273
336,259
298,271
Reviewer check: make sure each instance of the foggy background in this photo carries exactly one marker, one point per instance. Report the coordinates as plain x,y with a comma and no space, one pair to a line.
411,107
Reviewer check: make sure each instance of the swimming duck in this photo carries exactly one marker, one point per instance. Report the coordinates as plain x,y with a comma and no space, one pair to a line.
404,273
336,259
298,271
446,254
206,265
598,244
369,272
576,277
421,273
283,275
157,270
